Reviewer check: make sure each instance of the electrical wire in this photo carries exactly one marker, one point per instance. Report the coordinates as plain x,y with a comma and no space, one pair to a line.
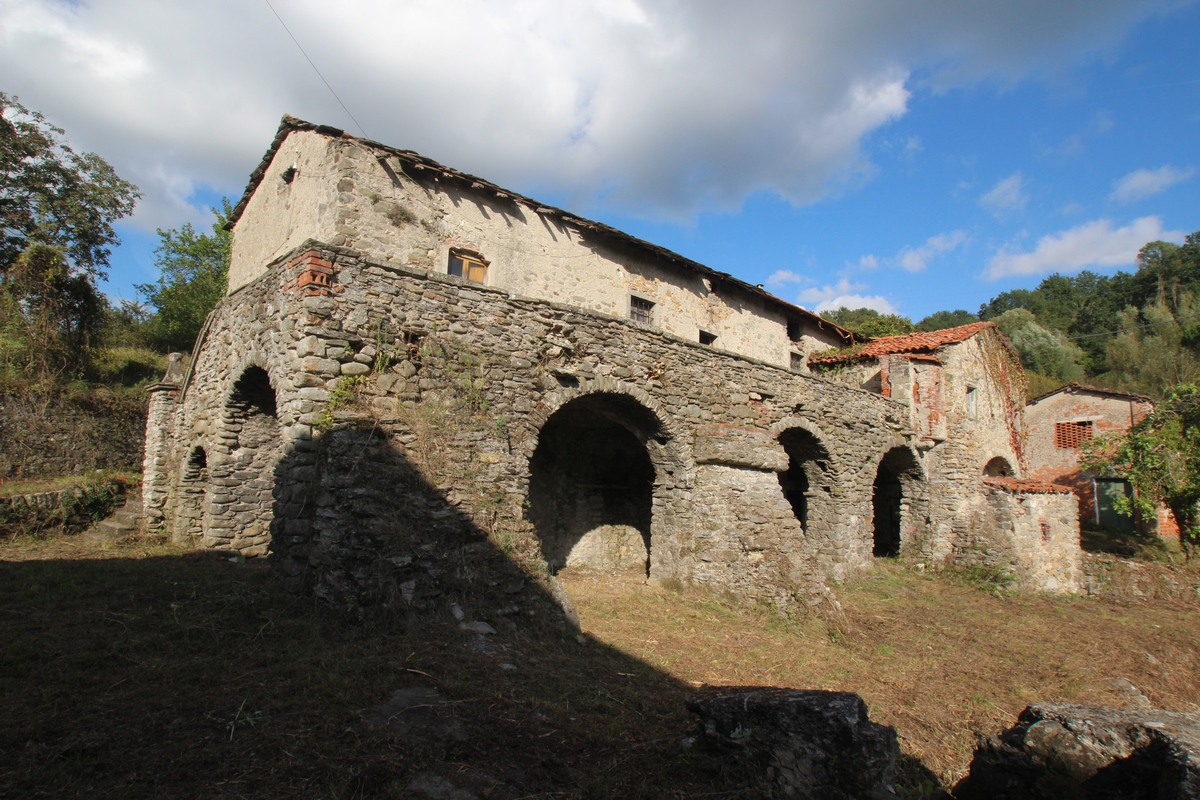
314,66
1134,328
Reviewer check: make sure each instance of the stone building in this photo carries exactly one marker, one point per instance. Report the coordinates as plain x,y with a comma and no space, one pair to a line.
1059,422
415,369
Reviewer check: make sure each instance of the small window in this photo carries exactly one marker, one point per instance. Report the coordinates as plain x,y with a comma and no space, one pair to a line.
641,310
972,393
469,266
795,330
707,338
797,362
1072,435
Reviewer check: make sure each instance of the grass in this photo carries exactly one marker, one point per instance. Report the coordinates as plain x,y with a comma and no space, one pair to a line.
132,669
57,484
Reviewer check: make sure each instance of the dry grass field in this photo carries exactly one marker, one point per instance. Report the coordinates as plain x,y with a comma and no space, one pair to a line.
136,670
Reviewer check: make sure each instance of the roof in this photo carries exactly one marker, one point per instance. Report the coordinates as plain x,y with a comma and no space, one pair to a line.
1022,486
1076,388
911,343
420,163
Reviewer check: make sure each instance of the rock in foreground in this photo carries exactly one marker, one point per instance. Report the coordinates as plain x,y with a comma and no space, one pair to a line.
811,744
1058,750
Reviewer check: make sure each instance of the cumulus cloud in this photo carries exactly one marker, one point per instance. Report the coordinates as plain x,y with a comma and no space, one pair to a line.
1143,183
1095,244
843,294
1007,195
915,259
781,277
653,106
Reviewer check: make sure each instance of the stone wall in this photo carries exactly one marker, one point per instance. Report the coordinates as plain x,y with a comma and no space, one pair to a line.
405,211
68,510
61,434
462,382
1027,530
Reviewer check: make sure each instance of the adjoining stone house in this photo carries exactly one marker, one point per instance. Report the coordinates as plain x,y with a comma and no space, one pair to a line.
964,391
414,367
1058,424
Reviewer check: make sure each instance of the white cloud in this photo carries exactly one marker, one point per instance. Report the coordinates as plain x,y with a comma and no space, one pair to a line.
843,294
654,106
1143,183
1094,244
784,276
868,262
1007,195
915,259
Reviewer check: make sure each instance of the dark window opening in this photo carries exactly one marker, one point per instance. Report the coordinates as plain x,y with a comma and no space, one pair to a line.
998,468
806,463
707,338
641,310
797,362
795,330
468,266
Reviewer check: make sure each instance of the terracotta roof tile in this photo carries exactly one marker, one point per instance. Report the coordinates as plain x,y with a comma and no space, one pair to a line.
1028,486
909,343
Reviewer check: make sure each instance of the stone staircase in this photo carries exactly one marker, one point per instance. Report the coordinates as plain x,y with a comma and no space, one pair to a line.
125,521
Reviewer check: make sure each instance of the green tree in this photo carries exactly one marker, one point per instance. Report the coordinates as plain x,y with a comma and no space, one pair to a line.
57,209
194,269
1043,351
870,323
1160,456
50,195
940,320
1155,348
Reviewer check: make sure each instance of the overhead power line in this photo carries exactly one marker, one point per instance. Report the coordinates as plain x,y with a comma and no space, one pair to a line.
1134,328
314,66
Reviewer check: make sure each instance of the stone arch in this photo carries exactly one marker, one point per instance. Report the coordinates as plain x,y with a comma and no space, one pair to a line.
895,496
807,483
601,469
242,466
191,494
998,467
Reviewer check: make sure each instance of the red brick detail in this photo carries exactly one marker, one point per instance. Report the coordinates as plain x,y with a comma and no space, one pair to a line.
314,275
1017,485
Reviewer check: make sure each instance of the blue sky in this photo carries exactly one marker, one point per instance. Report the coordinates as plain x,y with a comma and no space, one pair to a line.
910,155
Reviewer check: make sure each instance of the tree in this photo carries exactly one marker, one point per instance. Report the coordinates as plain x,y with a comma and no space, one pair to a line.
1155,349
194,269
1160,456
870,323
1042,351
50,195
56,213
940,320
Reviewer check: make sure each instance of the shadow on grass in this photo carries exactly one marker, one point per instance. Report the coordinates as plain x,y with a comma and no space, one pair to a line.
192,675
1129,544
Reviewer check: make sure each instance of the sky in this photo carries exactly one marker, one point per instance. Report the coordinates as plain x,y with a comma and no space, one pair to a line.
905,155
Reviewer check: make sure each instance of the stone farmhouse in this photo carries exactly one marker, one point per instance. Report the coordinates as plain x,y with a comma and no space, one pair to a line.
414,367
1059,422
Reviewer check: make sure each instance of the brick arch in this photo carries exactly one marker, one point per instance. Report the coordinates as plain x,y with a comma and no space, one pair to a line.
998,466
899,499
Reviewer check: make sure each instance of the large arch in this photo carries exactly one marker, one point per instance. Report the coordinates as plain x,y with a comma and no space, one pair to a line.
250,446
806,483
893,497
594,479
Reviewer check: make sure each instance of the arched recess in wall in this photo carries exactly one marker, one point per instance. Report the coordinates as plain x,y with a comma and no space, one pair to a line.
892,499
806,482
592,483
998,467
189,501
250,445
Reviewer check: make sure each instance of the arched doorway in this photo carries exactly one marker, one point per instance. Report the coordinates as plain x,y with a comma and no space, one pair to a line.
891,500
193,486
591,484
251,444
998,468
804,482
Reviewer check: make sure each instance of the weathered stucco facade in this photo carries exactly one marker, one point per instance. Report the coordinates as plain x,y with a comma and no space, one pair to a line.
369,420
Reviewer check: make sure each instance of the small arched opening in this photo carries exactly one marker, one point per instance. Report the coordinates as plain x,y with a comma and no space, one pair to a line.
998,467
804,482
193,487
251,443
591,484
891,500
